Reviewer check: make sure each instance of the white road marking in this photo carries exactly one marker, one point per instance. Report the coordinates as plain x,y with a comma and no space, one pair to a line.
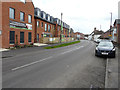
26,65
72,50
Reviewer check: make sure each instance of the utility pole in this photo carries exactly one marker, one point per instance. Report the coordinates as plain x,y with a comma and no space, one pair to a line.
111,23
61,28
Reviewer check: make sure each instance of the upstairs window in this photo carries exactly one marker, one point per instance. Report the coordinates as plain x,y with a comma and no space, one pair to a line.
41,24
29,19
38,13
38,24
12,13
22,16
48,28
45,27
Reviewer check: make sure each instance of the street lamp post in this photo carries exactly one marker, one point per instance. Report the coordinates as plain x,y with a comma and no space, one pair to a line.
61,28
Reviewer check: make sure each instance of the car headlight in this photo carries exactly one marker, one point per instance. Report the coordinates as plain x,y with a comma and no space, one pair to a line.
113,49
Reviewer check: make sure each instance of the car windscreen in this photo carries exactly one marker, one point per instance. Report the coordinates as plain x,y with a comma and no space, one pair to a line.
105,44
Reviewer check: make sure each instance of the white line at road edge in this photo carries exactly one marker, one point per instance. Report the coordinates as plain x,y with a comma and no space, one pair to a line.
26,65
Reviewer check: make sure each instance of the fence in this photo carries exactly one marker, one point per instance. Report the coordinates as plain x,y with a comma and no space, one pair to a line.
55,40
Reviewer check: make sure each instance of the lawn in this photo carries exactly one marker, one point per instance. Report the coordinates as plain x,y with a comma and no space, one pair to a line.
62,45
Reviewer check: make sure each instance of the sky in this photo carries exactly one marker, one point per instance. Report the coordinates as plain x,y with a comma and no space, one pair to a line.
82,15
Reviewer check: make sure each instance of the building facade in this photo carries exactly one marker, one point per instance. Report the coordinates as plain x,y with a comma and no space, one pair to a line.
44,25
117,30
23,24
17,23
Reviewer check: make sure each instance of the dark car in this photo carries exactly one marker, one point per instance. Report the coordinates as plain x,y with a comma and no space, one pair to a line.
105,49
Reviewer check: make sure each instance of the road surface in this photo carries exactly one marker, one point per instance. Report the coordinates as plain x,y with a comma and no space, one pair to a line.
73,66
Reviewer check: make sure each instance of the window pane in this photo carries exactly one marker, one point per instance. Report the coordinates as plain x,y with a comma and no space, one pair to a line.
48,28
45,27
29,37
12,13
29,19
21,37
37,23
42,24
21,16
12,37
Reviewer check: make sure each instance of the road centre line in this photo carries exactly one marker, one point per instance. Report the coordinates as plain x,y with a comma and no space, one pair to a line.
72,50
26,65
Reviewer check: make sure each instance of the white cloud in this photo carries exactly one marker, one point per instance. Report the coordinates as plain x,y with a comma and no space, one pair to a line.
82,15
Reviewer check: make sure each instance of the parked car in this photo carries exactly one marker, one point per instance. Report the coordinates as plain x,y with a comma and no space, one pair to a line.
98,40
105,49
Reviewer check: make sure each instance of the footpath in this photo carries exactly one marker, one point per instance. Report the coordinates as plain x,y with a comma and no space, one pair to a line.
111,79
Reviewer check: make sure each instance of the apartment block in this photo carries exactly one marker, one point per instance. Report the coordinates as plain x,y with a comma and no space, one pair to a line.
17,23
44,25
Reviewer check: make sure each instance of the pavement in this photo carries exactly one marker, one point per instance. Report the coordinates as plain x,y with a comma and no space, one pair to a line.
111,78
3,49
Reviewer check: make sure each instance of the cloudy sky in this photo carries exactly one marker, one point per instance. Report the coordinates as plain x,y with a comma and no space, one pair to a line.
81,15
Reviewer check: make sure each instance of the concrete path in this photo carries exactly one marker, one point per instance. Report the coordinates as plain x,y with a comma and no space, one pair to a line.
112,72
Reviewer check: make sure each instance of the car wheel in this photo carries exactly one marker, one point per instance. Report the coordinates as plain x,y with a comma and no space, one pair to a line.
96,54
113,56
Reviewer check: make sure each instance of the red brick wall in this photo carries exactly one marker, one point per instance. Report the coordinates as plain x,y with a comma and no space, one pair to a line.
27,8
39,30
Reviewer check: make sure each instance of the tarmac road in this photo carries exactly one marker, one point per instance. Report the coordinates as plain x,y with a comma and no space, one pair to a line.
74,66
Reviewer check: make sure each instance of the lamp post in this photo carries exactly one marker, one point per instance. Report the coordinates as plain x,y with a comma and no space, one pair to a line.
61,28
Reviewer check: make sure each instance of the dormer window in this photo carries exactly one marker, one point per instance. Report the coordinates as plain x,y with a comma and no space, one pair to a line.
38,13
44,15
48,18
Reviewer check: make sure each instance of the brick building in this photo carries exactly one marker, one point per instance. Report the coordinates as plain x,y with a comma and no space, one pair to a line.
23,24
44,25
17,23
79,35
117,27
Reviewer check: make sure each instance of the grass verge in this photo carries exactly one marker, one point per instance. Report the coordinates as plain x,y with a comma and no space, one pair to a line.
61,45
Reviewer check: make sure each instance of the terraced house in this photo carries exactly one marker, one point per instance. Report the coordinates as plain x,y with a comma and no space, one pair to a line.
44,25
17,23
23,24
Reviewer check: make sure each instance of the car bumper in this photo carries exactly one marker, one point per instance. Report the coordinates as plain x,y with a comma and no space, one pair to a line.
110,53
